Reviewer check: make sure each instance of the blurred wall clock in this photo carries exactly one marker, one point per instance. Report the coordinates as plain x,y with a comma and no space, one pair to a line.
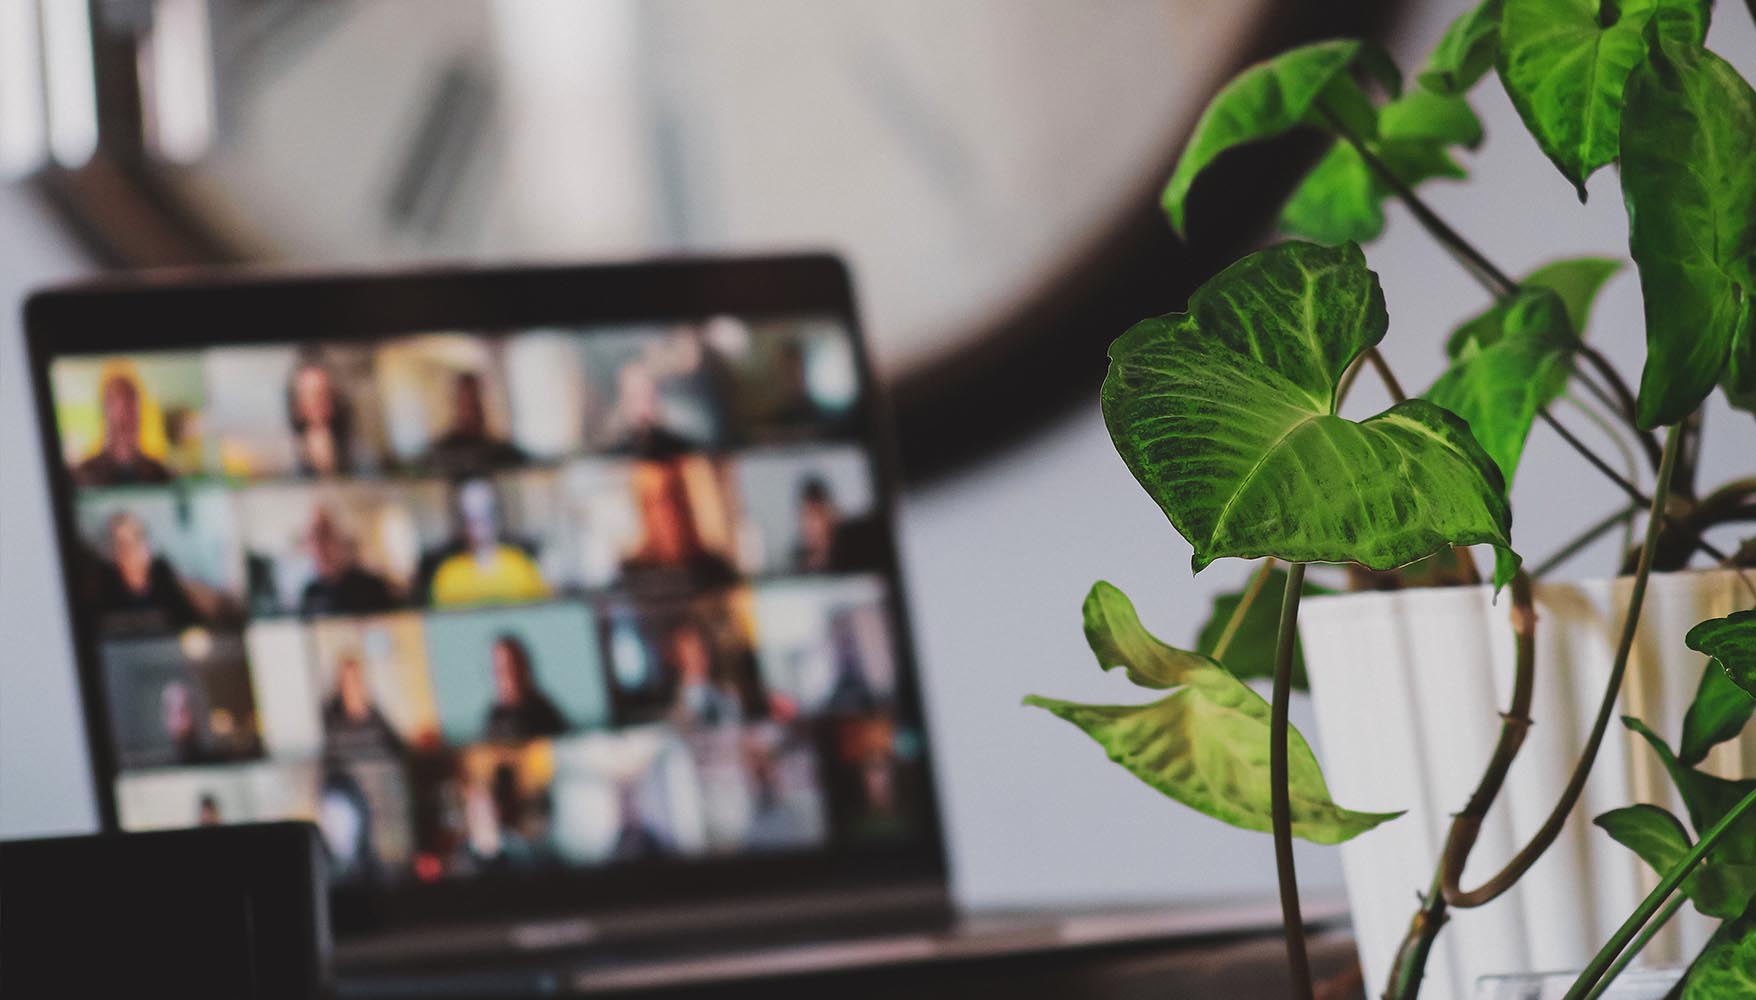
989,167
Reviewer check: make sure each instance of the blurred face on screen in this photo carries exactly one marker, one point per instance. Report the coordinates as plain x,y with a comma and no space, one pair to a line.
121,417
176,712
350,685
313,397
637,396
690,655
130,551
479,511
468,416
330,552
665,518
818,520
511,674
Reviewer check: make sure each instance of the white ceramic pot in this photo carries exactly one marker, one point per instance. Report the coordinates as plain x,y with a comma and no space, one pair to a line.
1408,686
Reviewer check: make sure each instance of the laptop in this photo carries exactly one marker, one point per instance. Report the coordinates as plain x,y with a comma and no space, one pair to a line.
563,600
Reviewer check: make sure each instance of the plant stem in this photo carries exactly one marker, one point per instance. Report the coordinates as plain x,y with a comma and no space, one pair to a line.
1281,811
1494,279
1624,397
1391,385
1630,465
1237,620
1600,963
1465,827
1411,958
1640,943
1591,534
1597,463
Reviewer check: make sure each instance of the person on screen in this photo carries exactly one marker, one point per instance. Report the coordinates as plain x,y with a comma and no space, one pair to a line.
521,826
818,521
480,566
179,716
775,819
827,541
635,838
850,692
637,426
137,588
207,811
467,446
670,547
321,421
794,403
352,724
120,460
713,687
701,697
340,585
344,817
521,711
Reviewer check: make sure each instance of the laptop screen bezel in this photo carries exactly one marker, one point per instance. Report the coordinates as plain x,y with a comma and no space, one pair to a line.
157,313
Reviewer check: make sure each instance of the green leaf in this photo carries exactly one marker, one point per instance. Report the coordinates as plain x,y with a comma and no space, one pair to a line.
1726,880
1206,743
1577,280
1226,415
1422,114
1717,889
1731,641
1651,832
1720,888
1727,966
1342,198
1689,178
1564,64
1720,712
1252,649
1707,797
1513,361
1117,639
1265,100
1466,52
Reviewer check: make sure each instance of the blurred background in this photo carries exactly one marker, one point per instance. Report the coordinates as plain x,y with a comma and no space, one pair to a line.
988,167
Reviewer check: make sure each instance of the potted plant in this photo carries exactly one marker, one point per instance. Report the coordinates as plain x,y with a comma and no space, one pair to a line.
1229,414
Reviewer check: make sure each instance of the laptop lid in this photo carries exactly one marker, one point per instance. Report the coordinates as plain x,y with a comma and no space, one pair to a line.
546,590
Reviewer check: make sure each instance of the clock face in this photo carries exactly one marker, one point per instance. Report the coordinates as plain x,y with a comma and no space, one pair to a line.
959,154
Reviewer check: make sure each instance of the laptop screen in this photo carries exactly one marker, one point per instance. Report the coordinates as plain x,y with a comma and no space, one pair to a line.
493,604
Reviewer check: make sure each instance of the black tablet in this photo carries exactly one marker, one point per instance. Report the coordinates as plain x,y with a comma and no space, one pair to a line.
538,590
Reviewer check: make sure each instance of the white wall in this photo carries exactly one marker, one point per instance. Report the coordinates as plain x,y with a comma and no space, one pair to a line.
43,786
997,560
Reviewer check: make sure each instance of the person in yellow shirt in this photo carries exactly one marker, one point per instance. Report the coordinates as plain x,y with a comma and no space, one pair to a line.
486,570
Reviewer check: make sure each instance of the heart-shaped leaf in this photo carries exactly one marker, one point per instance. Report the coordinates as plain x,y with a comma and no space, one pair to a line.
1226,414
1651,832
1206,743
1514,360
1565,62
1342,198
1264,101
1717,889
1252,649
1726,967
1707,797
1726,880
1731,641
1577,280
1466,52
1720,711
1689,178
